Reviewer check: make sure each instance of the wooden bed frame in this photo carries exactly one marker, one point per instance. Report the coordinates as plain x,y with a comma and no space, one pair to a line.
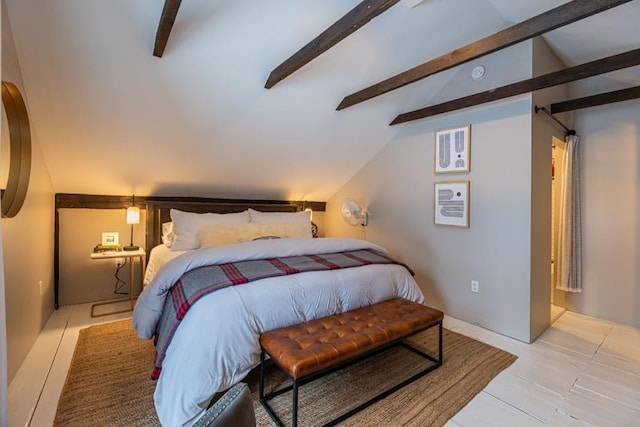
158,211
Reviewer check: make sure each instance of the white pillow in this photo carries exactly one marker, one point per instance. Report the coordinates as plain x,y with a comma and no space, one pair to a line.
229,234
168,236
283,230
186,226
258,217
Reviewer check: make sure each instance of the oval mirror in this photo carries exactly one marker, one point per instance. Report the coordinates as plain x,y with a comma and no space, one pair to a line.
18,151
5,153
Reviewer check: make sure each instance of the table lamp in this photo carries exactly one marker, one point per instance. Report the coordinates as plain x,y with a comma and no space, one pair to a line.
133,217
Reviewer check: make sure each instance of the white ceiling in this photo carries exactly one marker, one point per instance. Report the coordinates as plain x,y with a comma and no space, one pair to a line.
111,118
615,31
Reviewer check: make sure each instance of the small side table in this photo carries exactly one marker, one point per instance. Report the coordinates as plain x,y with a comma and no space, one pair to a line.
129,256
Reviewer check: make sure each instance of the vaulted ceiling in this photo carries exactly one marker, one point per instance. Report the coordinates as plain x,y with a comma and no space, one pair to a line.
111,118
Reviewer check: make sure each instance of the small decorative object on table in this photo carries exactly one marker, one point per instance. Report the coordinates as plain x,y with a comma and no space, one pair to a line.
98,249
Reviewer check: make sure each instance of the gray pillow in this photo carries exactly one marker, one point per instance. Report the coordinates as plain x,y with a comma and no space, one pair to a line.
234,408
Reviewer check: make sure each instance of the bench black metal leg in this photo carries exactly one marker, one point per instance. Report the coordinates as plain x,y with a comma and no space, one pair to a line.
261,393
388,392
296,383
294,414
440,344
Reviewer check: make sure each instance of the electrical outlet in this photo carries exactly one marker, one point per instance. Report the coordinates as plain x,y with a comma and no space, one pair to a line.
475,286
119,261
41,287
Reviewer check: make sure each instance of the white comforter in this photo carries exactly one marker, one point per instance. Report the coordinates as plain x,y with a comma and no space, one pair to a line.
216,344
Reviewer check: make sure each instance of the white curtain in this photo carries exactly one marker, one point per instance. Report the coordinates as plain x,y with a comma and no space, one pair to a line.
569,273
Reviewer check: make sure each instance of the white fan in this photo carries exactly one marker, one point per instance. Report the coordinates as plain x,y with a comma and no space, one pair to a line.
353,213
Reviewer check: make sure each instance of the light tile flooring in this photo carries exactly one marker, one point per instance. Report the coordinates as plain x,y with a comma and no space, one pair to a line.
582,371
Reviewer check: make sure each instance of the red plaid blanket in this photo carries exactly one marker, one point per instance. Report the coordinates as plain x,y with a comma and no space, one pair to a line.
201,281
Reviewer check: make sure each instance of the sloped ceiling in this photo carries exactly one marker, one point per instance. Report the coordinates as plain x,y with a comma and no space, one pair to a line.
608,33
113,119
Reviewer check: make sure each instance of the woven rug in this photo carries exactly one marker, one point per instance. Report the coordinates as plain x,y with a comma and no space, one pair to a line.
108,383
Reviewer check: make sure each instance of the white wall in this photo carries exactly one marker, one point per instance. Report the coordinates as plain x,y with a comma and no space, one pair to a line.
507,247
27,240
544,129
610,155
3,340
397,188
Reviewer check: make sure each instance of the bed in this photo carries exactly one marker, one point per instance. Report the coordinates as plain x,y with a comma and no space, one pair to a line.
215,344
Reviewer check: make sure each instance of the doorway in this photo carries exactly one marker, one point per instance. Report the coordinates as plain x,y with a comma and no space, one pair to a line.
558,302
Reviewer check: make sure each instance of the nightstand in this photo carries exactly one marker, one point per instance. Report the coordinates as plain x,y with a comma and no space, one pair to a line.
129,256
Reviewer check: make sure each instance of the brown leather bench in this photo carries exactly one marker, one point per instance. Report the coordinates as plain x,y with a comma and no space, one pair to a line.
315,348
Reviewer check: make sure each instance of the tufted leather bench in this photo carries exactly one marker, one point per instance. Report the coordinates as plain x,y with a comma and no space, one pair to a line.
312,349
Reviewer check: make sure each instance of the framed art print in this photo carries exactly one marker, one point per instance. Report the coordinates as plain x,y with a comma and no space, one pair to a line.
453,147
451,203
110,238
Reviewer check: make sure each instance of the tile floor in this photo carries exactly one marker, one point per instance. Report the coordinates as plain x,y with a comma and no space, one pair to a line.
582,371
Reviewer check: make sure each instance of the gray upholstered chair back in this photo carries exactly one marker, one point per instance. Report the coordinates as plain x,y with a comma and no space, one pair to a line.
233,409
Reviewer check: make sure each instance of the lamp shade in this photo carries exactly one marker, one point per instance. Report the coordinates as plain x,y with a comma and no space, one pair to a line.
133,215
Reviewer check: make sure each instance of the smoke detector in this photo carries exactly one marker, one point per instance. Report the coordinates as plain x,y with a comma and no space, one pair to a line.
478,72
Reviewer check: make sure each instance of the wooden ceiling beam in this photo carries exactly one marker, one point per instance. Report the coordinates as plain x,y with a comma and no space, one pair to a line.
168,17
596,100
562,15
593,68
348,24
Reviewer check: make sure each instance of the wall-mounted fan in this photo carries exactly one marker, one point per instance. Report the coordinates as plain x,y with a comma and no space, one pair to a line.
353,213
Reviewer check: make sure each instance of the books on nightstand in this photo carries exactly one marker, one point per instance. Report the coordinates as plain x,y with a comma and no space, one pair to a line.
98,249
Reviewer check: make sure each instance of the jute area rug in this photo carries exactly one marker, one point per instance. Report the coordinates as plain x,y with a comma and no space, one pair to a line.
108,383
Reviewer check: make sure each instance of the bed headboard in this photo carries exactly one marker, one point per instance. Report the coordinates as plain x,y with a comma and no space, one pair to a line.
158,211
